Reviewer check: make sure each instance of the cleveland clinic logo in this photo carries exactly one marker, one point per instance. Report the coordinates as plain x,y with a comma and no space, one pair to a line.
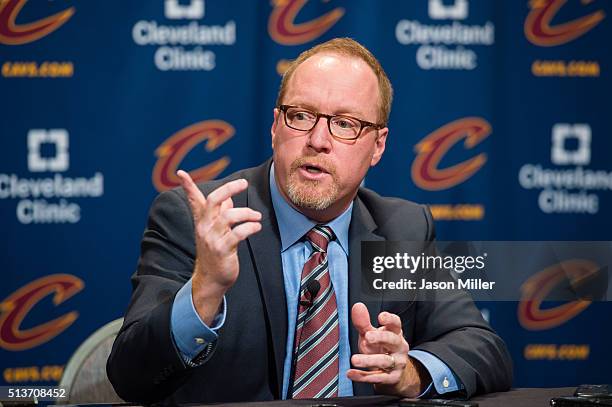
564,134
446,42
176,11
46,195
182,42
437,10
58,139
569,186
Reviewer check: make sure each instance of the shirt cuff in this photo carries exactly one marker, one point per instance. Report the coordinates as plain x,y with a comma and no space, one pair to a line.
190,333
443,378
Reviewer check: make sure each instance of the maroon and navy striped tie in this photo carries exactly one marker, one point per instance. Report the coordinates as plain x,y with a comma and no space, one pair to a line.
317,333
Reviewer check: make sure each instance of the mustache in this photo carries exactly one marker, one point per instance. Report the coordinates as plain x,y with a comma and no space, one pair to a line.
320,162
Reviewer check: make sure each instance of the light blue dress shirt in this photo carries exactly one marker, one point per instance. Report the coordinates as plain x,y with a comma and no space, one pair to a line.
294,253
192,335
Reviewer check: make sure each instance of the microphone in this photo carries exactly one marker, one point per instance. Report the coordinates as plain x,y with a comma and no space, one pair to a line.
312,288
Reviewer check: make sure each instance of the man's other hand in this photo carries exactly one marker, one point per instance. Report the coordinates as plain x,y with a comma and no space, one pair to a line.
383,359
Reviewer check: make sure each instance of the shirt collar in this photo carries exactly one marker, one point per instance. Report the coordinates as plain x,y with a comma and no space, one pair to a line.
292,224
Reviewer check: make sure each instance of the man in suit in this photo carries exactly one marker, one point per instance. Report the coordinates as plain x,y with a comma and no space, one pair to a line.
245,285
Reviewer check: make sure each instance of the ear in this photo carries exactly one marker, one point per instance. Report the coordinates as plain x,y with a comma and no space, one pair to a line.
379,146
274,125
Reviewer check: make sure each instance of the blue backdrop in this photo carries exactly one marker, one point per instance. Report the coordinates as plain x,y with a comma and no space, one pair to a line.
500,123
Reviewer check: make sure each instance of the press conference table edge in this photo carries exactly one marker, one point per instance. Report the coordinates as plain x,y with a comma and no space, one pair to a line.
523,397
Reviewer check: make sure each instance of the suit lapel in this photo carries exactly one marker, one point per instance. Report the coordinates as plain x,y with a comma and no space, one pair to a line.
265,248
361,229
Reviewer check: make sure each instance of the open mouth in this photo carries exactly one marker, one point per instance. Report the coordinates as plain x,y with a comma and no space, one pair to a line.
313,169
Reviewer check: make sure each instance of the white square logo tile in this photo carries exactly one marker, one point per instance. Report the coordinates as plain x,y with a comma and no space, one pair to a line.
57,163
561,134
448,10
174,10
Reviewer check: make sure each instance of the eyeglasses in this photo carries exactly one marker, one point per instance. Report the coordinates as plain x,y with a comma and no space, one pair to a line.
340,126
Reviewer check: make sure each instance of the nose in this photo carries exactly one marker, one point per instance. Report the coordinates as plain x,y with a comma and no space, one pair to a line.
319,138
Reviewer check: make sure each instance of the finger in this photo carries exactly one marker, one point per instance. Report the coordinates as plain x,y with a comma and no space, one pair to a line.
216,197
236,215
378,361
227,204
374,377
366,347
361,318
391,341
391,322
194,195
241,232
229,217
221,229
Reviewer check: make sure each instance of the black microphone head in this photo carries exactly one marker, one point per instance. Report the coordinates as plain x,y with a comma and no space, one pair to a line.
309,294
313,288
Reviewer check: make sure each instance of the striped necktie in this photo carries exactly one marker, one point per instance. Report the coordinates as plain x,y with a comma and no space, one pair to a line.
317,333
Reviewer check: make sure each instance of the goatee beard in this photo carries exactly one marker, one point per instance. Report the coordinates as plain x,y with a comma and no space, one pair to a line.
308,194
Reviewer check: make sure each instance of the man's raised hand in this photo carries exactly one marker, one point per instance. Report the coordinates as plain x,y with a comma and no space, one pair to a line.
218,227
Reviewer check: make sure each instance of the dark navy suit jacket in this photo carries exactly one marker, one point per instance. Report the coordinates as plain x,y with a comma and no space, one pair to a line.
246,362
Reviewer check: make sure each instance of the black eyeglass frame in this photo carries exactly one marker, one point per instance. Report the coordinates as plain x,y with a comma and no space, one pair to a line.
362,123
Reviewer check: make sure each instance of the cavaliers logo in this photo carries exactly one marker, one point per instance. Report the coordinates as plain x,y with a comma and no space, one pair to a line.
15,307
172,151
17,34
426,172
532,316
285,31
539,30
